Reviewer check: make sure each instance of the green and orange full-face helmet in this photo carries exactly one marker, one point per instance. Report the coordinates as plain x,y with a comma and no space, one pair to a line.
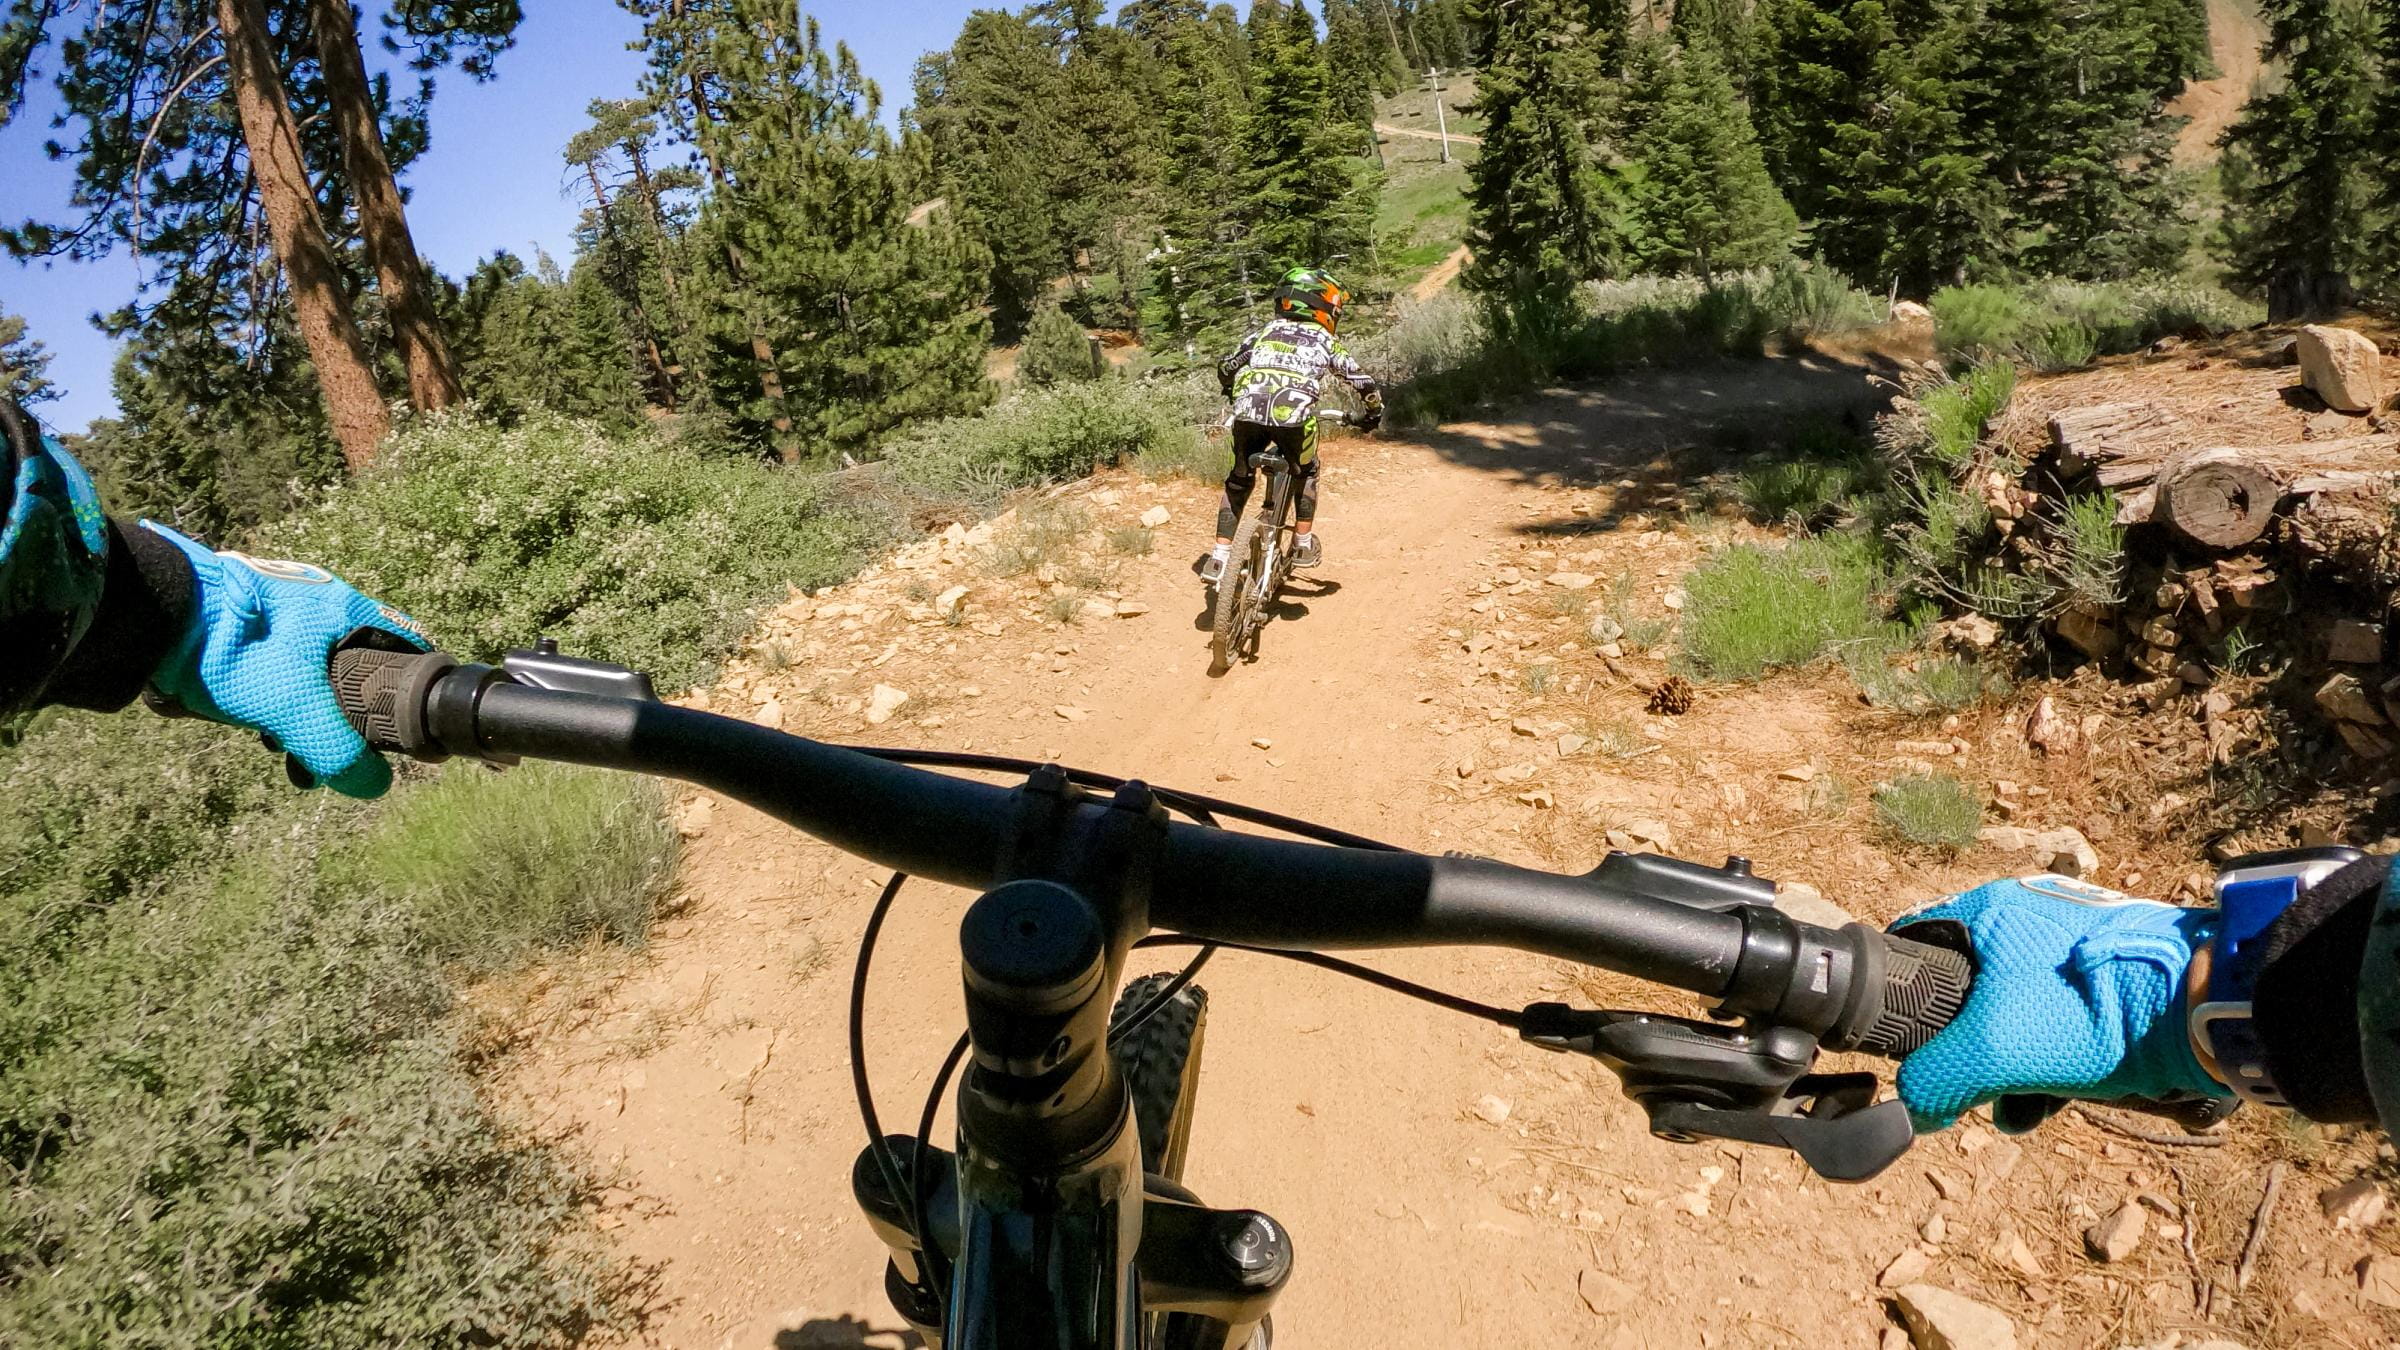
1311,293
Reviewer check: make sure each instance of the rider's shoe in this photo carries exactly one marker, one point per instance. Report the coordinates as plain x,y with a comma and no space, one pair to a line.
1306,552
1212,567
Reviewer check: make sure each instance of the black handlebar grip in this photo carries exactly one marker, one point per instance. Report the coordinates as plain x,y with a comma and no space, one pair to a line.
1924,986
383,694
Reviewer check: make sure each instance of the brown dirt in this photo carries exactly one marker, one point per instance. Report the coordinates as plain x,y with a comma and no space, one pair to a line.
1444,272
1422,134
710,1070
2234,35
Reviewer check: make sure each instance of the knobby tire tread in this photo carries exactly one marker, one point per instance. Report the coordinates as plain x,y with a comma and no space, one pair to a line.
1160,1060
1233,588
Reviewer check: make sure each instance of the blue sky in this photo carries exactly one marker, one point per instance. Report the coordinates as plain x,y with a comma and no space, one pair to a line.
491,180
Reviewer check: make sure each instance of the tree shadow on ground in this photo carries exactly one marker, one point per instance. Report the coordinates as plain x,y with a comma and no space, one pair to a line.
1587,434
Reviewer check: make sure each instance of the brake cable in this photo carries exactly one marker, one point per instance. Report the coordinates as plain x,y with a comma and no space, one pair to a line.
1201,808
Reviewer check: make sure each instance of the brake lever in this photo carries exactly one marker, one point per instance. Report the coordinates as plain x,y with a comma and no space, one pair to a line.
1698,1080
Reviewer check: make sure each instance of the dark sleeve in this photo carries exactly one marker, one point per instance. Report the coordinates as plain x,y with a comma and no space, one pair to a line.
1232,365
2306,1003
88,605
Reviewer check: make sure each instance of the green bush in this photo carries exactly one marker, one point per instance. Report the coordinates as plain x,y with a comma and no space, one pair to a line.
1979,322
1957,412
1930,808
1939,684
1041,435
231,1102
2061,345
494,867
2058,324
2090,565
1749,610
1056,351
622,547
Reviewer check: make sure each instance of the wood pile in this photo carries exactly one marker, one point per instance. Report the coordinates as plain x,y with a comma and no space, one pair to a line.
2215,497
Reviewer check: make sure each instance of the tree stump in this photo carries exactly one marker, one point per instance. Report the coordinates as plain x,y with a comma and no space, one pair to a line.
2219,499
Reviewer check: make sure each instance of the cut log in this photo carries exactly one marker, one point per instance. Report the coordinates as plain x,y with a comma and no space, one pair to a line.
2346,529
2106,432
2292,462
2220,499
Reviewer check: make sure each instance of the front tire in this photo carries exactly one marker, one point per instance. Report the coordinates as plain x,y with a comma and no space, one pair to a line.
1160,1061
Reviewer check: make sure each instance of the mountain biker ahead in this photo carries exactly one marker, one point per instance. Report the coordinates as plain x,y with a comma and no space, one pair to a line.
1273,379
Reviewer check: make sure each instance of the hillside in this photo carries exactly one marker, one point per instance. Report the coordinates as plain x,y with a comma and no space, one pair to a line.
2234,34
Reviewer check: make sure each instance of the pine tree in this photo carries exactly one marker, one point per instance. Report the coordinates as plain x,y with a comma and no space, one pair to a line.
2070,111
24,363
1057,350
1393,71
2296,163
1204,244
872,310
2386,142
1538,225
1719,25
1608,33
1305,196
1354,62
989,110
1700,192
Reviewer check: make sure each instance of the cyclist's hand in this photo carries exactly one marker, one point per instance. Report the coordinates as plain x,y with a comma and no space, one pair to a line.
2079,993
256,657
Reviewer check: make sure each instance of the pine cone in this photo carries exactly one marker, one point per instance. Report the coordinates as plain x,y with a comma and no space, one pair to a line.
1672,696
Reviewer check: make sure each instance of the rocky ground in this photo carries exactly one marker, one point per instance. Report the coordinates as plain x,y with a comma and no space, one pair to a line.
1483,664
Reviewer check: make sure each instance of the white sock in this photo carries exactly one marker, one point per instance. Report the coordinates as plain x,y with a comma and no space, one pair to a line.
1221,552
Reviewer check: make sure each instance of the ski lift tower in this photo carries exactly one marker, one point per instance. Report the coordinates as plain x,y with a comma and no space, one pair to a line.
1433,82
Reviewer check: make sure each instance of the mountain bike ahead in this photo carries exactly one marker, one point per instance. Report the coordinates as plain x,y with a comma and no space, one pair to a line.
1260,561
1058,1221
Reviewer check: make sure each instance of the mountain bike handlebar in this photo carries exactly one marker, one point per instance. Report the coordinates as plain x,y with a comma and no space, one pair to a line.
1713,932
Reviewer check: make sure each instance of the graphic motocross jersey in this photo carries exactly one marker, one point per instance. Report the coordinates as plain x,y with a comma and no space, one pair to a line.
1276,373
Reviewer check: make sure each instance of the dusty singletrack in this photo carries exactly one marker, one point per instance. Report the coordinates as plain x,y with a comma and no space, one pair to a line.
1445,1185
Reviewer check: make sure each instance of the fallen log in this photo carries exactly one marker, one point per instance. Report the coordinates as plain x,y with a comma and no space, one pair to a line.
2224,497
2102,433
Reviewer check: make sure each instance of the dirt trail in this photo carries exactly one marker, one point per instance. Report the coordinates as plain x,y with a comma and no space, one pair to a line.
1443,273
711,1070
1423,135
2234,35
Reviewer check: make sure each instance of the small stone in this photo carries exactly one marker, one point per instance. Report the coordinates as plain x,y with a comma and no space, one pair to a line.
1155,517
1514,773
2159,632
1652,832
2379,1280
1798,773
1940,1320
1262,742
696,817
1934,1229
1465,768
2091,634
1539,799
1131,609
2353,642
1096,608
1068,712
1573,581
1569,743
2364,742
2066,852
1524,727
2050,731
2357,1203
2115,1237
2344,699
1493,1110
1605,630
1906,1268
882,702
1809,905
1604,1294
2194,674
1672,600
1972,633
950,601
1893,1338
769,714
970,691
2016,1255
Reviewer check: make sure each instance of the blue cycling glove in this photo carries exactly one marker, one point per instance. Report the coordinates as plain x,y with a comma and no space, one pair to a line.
2078,993
256,655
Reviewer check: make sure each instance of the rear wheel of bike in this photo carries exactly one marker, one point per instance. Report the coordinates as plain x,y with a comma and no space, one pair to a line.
1160,1060
1229,627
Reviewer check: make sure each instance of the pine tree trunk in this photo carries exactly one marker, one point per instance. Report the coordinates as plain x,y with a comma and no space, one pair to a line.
352,403
658,221
382,223
659,374
2299,292
762,352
